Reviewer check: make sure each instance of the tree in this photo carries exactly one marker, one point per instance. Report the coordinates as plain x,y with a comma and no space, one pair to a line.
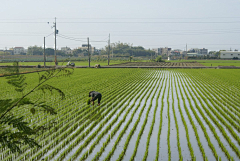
77,51
14,131
5,53
49,51
130,58
35,50
159,59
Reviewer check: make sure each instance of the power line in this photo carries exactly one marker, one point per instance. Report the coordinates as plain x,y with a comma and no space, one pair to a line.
70,38
128,22
50,34
154,22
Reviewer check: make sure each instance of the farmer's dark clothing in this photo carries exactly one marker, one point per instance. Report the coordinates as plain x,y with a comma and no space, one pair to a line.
95,95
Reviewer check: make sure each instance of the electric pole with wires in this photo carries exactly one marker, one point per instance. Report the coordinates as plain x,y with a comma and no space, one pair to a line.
88,53
109,50
55,33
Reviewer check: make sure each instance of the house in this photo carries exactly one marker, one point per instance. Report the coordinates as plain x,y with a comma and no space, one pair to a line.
85,47
162,51
18,50
229,55
66,50
200,52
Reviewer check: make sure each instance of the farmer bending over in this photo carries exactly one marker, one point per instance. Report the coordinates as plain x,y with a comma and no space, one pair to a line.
95,95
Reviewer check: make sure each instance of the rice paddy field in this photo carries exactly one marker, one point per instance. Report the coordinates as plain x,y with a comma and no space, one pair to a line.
145,114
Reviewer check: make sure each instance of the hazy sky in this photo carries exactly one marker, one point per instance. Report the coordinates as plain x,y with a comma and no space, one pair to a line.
211,24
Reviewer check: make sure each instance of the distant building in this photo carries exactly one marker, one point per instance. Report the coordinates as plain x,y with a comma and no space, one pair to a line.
192,54
229,55
85,47
176,52
66,50
203,51
18,50
162,51
200,52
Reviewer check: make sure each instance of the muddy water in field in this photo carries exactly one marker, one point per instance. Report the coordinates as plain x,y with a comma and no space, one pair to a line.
191,133
173,130
213,140
153,139
105,126
120,146
202,138
113,140
163,151
222,138
99,145
143,140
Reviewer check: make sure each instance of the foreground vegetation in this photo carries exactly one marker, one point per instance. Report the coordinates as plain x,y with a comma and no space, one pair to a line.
145,114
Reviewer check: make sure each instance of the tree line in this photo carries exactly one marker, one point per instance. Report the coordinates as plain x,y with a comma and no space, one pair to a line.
120,49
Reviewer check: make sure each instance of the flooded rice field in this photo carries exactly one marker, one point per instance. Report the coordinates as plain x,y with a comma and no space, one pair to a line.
145,114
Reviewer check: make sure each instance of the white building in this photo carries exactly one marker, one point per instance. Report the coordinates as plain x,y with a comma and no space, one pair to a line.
229,54
85,47
66,50
162,51
202,51
18,50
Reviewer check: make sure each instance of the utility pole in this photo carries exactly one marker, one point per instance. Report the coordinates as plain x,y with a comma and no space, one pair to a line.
88,53
44,56
55,51
109,50
186,49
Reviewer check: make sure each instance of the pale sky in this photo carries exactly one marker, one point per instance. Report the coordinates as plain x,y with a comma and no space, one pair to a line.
211,24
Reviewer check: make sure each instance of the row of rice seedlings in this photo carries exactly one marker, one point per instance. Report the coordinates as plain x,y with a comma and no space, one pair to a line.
200,121
62,142
90,138
228,79
24,148
153,121
231,118
143,90
100,136
67,125
222,129
88,130
212,117
108,157
227,99
191,120
222,95
222,119
53,143
126,105
218,88
184,122
120,122
135,126
168,136
176,125
160,125
220,108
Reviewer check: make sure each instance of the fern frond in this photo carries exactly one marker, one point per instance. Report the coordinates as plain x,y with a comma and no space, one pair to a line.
4,104
18,81
47,87
46,108
18,123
